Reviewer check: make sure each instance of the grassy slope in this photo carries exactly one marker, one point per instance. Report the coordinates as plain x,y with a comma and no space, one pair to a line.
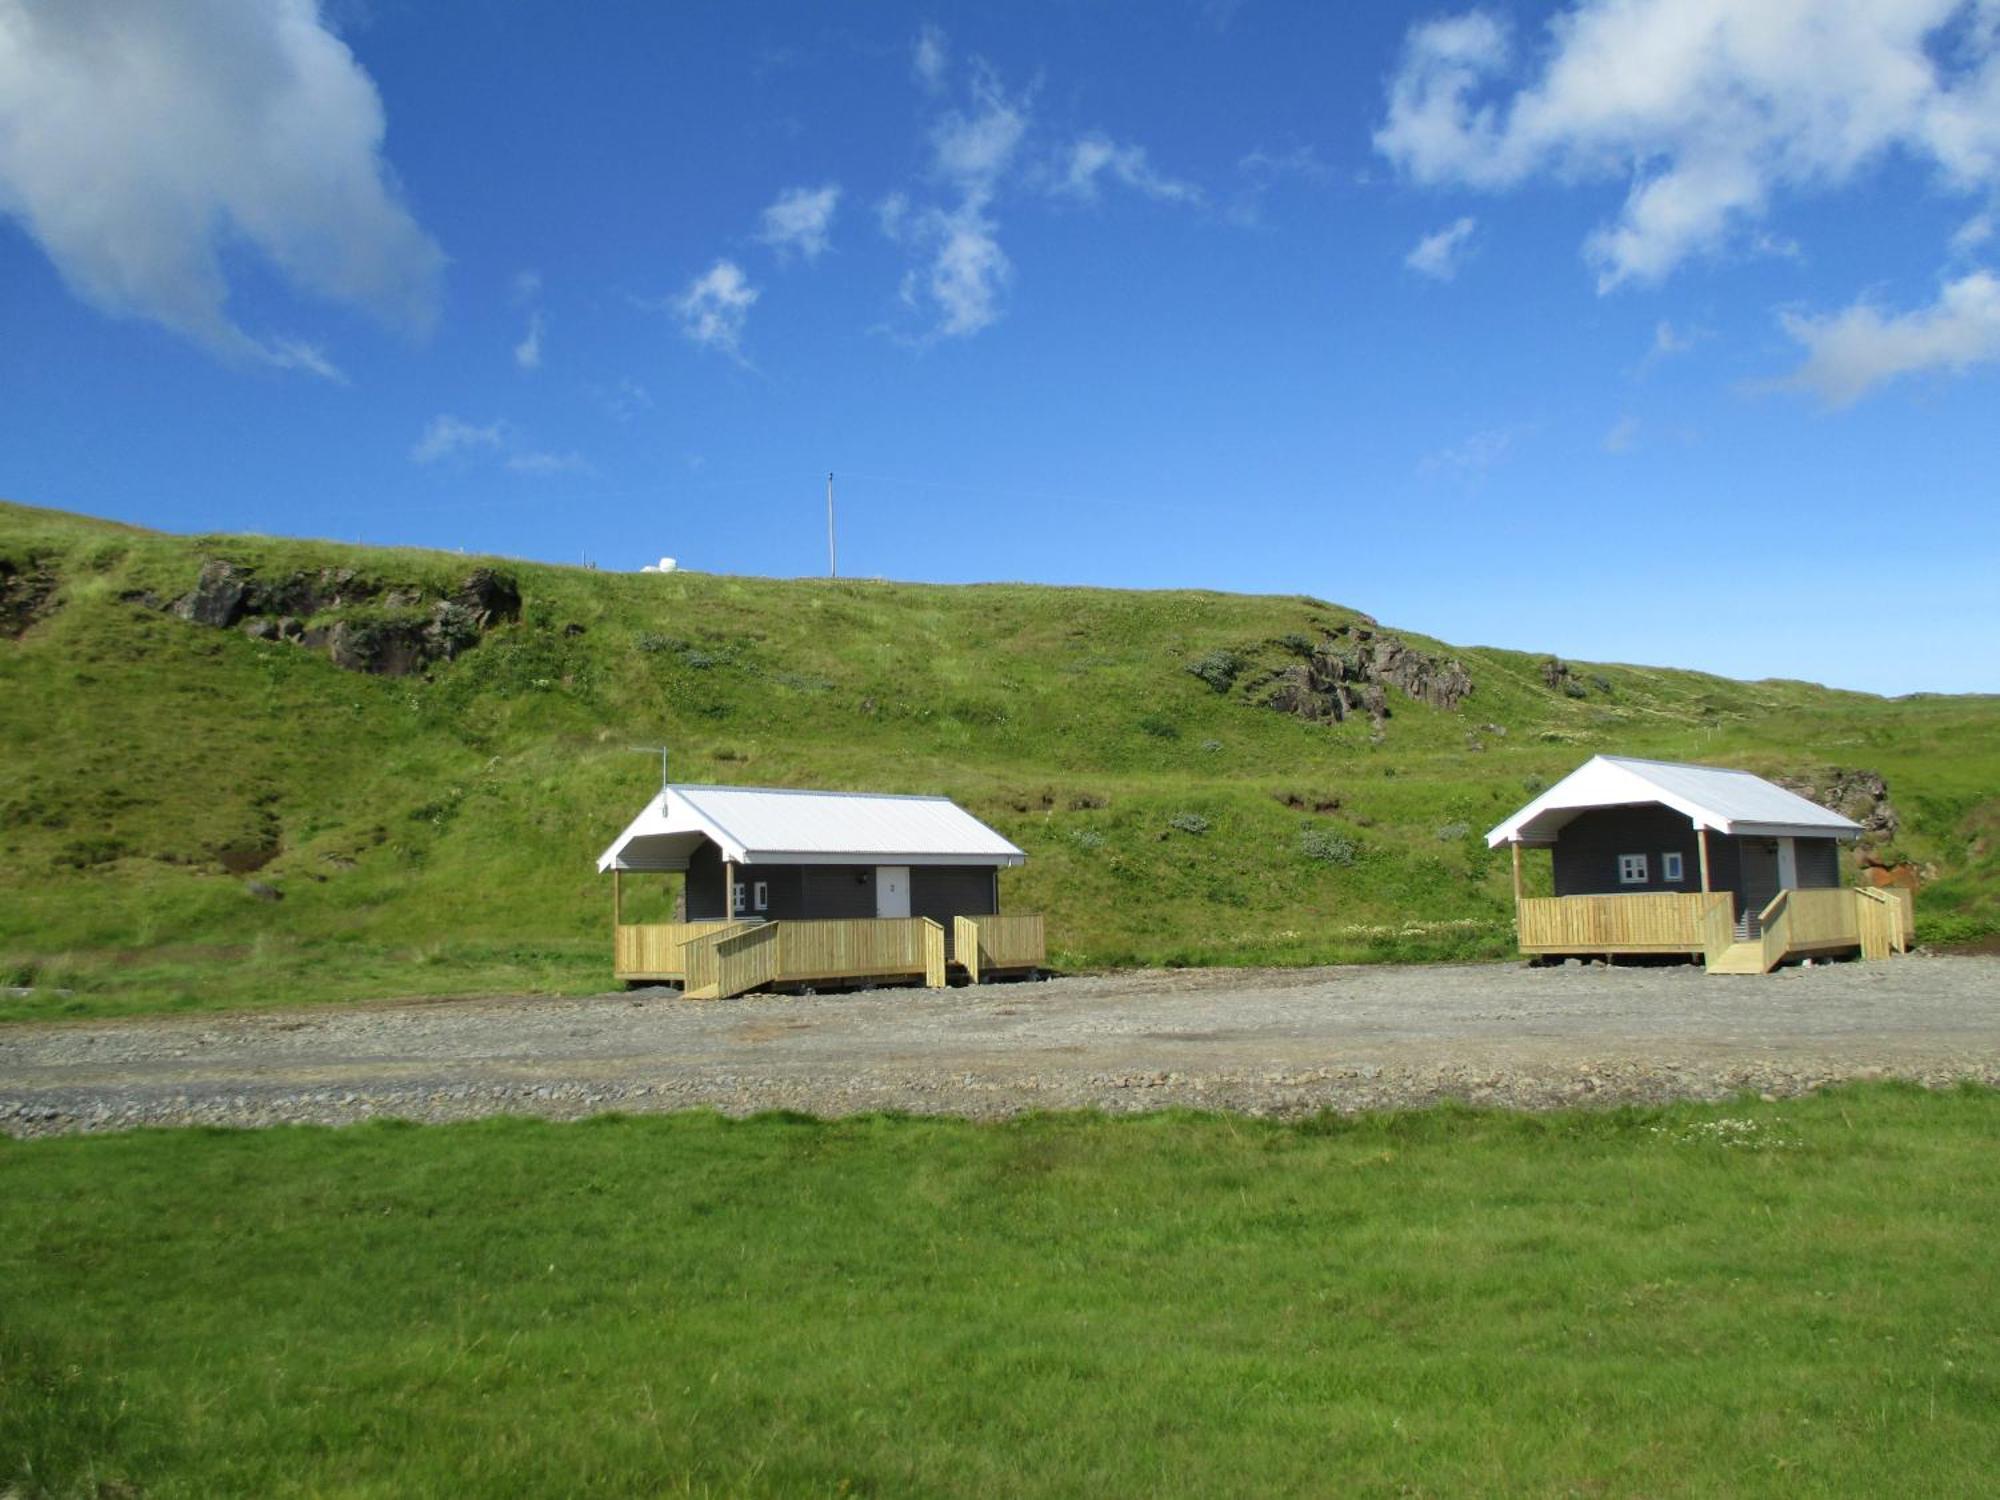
1795,1299
438,836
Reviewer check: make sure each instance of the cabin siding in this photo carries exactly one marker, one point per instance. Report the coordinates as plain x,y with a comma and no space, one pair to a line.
1819,864
807,892
1585,856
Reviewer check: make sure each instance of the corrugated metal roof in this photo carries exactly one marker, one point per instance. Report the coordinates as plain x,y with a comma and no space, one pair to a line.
1716,797
775,825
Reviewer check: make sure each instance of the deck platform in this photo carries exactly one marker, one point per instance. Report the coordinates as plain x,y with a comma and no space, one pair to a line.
1873,922
717,960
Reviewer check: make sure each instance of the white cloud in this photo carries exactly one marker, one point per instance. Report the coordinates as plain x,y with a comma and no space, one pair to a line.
800,220
1669,340
1471,458
1851,352
1094,156
967,270
715,307
295,354
448,436
1440,255
539,463
930,57
1972,234
1623,434
627,399
528,353
972,149
964,270
136,140
1264,167
1704,109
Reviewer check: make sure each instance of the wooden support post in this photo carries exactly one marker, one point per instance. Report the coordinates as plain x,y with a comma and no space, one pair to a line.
617,901
728,891
1701,835
1517,871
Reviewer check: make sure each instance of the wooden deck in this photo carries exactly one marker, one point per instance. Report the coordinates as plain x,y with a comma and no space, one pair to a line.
985,946
1797,924
714,960
651,951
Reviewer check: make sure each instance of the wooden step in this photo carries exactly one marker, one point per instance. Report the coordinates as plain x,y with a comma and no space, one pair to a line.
1739,958
701,992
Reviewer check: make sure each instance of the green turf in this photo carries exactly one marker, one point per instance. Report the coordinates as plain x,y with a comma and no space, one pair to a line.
1795,1299
438,836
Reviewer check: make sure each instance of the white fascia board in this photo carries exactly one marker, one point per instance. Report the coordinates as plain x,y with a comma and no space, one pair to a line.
879,857
1596,783
1786,831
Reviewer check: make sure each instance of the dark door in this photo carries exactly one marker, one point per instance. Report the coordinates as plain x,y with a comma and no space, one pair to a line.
1760,878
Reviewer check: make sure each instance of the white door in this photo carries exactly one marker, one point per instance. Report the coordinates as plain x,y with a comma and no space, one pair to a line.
1788,865
892,890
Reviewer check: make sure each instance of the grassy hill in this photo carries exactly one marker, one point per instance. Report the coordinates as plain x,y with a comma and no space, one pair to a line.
161,780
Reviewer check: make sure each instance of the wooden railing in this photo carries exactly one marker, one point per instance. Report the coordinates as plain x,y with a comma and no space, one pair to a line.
652,950
862,949
983,944
701,964
1654,922
1718,928
1794,923
747,960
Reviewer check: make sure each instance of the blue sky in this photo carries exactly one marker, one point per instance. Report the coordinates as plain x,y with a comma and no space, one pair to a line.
1660,331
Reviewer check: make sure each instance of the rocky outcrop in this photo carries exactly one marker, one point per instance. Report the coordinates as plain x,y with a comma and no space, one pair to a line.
1352,670
1860,795
401,631
27,594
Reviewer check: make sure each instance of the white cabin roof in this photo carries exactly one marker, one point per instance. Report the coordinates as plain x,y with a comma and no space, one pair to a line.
1714,797
755,825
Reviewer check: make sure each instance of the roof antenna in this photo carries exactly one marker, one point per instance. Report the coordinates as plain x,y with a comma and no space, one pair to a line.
661,751
832,561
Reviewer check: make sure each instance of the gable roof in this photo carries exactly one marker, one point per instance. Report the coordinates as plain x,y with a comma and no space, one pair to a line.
1730,802
755,825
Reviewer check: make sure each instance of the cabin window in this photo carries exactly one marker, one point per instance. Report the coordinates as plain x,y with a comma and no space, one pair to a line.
760,895
1670,865
1631,869
737,900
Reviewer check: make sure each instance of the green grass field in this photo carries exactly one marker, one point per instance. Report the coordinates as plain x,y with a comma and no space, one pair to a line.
437,835
1796,1299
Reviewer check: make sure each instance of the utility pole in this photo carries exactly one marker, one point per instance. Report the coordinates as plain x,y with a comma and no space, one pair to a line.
662,751
832,560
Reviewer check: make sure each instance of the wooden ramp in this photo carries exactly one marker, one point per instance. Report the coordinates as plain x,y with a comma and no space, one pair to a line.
1739,958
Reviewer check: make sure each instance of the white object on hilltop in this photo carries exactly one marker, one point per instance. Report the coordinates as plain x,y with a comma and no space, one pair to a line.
665,565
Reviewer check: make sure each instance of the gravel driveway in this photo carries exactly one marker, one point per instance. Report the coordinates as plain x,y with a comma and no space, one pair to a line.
1279,1042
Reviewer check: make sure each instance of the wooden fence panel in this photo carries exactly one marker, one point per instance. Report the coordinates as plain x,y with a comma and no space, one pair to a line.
936,974
652,950
1823,919
746,960
1000,942
1656,922
700,965
1879,920
853,949
965,945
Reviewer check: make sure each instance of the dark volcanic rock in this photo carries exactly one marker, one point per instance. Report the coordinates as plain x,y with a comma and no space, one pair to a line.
1351,671
1857,794
409,640
492,597
217,597
27,594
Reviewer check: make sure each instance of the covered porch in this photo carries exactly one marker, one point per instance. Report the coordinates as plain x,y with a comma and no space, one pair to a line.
784,889
1705,862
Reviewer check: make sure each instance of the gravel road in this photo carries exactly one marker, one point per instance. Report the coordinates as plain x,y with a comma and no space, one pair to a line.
1267,1042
